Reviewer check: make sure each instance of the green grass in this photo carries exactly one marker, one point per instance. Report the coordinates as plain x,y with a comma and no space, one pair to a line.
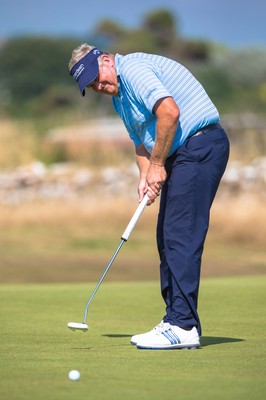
38,351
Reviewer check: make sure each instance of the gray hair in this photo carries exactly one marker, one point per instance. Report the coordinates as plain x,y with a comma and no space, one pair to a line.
79,53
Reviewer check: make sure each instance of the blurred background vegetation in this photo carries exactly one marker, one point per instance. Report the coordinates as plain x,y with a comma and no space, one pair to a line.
35,84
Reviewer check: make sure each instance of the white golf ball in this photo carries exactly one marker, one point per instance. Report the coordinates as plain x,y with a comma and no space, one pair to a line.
74,375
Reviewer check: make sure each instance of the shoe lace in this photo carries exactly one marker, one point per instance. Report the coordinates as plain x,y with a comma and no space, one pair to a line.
160,327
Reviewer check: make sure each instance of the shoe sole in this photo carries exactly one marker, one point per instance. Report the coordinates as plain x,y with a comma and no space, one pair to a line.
171,347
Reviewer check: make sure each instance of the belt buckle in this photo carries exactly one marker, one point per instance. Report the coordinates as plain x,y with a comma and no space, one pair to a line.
198,133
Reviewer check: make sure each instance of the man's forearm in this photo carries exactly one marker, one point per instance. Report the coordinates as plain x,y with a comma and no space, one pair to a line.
142,160
167,114
164,139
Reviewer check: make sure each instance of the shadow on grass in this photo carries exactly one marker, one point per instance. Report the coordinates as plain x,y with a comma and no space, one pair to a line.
212,340
116,335
204,341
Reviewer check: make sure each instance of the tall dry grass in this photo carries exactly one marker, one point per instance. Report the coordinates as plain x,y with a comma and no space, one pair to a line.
97,210
241,219
18,143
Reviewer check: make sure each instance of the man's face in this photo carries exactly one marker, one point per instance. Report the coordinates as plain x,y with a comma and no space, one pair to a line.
106,82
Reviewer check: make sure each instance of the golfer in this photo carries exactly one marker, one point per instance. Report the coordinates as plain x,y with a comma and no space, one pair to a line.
181,152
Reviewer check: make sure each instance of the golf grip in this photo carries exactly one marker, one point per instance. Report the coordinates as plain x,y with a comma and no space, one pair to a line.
135,218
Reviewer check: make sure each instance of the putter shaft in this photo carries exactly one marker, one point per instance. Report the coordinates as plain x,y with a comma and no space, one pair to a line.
101,279
124,238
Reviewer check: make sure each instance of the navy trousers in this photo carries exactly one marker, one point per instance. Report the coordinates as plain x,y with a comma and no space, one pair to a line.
194,173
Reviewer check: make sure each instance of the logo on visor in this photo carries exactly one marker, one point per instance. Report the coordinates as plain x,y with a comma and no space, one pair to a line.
96,51
78,71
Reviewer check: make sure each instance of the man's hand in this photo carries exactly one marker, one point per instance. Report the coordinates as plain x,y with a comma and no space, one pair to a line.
156,176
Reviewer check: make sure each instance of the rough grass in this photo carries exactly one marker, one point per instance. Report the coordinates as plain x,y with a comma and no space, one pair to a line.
18,143
37,349
73,241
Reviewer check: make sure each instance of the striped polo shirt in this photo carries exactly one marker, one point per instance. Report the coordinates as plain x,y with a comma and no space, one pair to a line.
143,79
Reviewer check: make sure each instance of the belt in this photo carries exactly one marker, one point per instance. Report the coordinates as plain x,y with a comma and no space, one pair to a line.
206,129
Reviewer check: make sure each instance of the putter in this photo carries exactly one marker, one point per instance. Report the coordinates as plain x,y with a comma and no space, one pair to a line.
83,326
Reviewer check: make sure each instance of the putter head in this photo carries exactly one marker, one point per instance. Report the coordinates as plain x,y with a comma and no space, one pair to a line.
78,326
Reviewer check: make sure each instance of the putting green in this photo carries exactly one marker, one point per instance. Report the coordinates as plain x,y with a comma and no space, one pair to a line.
38,350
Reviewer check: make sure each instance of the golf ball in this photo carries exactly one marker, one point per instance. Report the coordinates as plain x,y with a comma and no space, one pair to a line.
74,375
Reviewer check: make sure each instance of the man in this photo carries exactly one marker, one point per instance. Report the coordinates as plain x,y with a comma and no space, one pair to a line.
181,153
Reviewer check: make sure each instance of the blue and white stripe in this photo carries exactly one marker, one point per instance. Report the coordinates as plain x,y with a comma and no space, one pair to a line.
171,336
146,78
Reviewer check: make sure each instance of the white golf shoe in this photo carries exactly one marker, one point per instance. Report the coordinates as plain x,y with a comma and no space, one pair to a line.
168,337
134,340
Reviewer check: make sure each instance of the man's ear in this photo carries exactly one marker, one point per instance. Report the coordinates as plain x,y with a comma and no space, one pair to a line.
106,59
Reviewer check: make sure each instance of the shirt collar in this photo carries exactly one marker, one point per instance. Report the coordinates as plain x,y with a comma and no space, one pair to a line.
118,59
